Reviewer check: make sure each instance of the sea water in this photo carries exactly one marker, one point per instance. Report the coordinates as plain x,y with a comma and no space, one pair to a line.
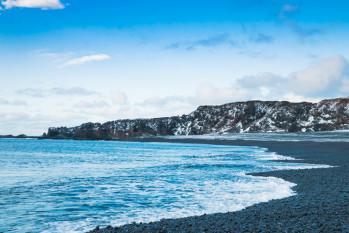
73,186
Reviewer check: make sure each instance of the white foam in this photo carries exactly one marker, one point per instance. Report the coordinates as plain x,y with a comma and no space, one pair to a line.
70,227
302,167
213,197
274,156
221,198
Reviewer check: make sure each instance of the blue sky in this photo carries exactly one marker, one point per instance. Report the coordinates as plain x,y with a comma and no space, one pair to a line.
71,61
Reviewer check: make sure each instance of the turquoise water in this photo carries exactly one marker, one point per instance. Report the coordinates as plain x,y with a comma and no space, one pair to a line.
73,186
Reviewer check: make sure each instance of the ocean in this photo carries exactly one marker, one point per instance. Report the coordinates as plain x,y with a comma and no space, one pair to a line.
73,186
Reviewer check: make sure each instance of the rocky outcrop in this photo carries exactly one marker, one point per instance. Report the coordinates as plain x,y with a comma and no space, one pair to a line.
239,117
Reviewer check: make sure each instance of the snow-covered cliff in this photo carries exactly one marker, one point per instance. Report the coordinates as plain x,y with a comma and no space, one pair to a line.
250,116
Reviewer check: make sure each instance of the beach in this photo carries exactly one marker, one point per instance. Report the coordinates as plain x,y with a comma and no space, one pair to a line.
321,203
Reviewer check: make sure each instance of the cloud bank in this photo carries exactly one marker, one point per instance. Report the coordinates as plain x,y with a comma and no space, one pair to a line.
6,102
325,79
328,78
41,93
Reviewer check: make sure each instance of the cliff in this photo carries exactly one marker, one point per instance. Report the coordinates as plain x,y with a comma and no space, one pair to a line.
238,117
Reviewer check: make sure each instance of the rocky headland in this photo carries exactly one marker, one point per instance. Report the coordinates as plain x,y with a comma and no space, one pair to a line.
238,117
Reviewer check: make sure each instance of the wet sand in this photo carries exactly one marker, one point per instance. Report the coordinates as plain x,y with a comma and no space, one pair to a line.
321,203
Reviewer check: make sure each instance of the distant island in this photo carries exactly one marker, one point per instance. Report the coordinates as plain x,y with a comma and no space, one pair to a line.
17,136
238,117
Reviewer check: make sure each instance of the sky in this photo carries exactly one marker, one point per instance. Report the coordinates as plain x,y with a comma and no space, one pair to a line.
66,62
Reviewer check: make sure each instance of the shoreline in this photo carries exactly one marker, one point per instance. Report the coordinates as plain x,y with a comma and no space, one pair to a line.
321,203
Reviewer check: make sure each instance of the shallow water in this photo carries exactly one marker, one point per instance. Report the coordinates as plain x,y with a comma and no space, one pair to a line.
73,186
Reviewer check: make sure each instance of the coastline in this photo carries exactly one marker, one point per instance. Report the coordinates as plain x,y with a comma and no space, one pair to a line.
321,203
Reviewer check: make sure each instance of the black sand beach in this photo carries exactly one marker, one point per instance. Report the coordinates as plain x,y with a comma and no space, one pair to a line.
321,203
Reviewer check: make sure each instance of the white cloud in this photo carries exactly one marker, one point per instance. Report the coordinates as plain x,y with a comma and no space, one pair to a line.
262,79
119,98
36,122
86,59
12,102
42,4
32,92
321,76
345,86
73,91
210,94
166,106
92,104
325,79
78,91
